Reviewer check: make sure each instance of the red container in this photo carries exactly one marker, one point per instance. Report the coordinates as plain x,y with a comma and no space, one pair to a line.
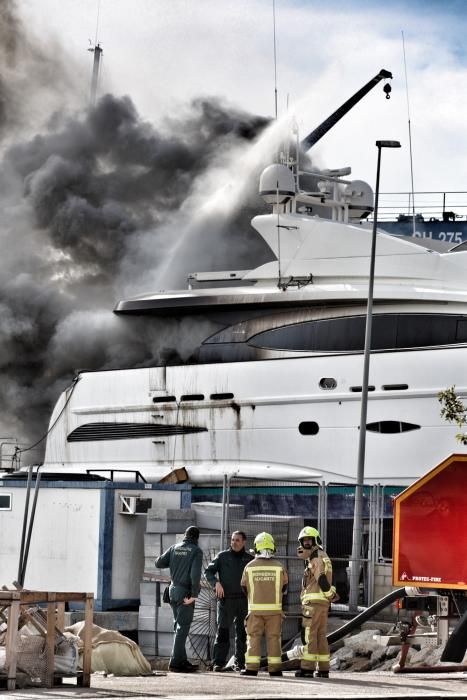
430,529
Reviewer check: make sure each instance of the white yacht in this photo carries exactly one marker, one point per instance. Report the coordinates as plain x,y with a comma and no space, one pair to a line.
273,389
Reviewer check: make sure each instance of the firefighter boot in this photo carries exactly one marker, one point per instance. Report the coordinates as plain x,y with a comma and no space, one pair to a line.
304,673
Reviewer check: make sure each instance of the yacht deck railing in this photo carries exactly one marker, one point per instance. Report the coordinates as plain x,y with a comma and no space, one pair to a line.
428,206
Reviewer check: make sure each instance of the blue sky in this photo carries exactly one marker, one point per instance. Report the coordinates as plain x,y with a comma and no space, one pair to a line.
165,52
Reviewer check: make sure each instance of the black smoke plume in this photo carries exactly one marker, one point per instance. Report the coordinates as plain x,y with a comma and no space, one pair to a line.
90,208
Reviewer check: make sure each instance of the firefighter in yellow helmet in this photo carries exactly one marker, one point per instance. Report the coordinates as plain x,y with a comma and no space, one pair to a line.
316,596
264,581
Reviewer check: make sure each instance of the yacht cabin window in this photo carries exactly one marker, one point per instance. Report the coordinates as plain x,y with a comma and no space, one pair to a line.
347,334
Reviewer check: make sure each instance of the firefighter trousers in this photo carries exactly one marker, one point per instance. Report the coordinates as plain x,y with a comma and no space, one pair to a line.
269,625
314,626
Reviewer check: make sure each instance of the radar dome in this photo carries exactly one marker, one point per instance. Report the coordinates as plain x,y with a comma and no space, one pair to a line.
359,195
277,183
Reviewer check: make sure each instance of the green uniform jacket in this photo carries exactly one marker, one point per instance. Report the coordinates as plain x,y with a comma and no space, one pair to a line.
185,561
228,567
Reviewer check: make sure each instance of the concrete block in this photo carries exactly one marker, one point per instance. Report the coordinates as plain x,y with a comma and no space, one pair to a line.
119,620
156,543
165,499
209,515
163,622
254,525
148,592
169,520
146,624
150,567
152,539
158,526
153,551
209,543
168,539
155,643
147,611
170,514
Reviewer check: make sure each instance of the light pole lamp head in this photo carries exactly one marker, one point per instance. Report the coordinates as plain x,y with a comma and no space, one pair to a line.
388,144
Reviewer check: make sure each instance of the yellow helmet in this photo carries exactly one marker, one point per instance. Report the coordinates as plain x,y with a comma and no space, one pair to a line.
264,541
309,532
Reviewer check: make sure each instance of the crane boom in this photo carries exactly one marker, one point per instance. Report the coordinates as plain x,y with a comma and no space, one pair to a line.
328,123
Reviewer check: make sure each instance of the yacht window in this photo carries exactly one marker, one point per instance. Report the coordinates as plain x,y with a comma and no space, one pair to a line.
192,397
394,387
356,389
308,428
163,399
461,333
329,335
422,331
391,426
347,334
5,501
221,397
327,383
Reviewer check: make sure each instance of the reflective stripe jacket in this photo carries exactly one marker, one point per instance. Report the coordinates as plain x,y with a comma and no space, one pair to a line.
318,565
265,580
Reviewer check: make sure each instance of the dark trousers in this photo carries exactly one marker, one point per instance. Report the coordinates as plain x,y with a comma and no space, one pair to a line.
183,616
230,611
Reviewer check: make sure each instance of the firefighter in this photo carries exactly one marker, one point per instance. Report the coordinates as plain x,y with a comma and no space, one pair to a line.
265,581
316,596
224,574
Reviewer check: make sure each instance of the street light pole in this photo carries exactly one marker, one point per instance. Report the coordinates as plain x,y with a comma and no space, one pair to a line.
358,508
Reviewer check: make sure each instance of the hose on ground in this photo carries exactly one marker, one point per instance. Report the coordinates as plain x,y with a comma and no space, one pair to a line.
368,613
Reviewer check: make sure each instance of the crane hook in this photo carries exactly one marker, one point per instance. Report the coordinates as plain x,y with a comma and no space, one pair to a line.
387,89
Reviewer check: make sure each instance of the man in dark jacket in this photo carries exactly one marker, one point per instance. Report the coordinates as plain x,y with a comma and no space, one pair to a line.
185,562
224,574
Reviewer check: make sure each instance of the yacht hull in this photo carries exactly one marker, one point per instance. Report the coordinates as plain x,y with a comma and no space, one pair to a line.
267,419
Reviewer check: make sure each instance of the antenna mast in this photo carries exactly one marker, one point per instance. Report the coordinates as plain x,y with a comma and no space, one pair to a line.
410,136
275,55
95,73
97,51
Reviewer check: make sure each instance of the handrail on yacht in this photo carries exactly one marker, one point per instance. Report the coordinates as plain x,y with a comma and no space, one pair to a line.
432,206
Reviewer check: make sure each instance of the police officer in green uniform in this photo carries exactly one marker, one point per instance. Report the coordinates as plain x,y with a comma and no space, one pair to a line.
185,562
224,574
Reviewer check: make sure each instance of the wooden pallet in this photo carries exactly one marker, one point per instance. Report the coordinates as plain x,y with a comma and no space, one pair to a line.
50,623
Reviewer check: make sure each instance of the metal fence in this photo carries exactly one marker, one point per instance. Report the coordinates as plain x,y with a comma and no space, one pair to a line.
284,507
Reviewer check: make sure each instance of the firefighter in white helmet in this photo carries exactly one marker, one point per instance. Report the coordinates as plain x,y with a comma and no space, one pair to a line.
316,596
265,581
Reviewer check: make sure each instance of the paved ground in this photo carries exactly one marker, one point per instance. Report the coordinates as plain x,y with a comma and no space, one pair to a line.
210,686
